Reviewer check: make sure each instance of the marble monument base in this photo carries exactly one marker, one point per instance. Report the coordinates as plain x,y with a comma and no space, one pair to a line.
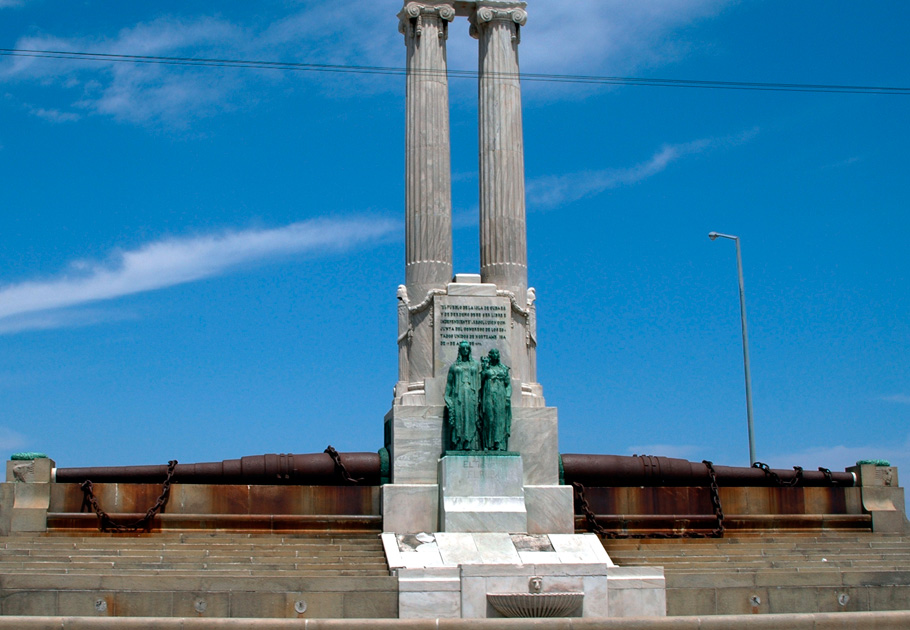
482,492
453,574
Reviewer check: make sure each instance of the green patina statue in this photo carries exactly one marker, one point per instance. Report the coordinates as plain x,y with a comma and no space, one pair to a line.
462,404
496,403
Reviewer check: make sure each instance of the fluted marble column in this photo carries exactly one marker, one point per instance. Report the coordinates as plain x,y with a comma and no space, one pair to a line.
428,187
503,238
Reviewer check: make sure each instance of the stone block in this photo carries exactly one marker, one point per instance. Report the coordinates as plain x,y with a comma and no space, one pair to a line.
790,599
738,601
30,503
596,602
535,434
7,497
472,289
580,548
481,493
429,605
550,509
690,602
410,508
371,605
30,470
142,604
259,604
42,603
416,443
457,548
496,548
200,604
429,593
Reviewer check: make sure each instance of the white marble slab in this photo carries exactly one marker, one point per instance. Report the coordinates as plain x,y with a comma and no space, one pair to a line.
496,549
410,508
550,509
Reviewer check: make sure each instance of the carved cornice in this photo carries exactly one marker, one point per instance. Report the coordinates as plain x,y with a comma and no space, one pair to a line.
413,310
413,12
525,312
490,11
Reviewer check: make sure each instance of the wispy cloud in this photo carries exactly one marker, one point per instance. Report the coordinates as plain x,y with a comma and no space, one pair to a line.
171,262
555,190
54,115
614,36
841,456
902,399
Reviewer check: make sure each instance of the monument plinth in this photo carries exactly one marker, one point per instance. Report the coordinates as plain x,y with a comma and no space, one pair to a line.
475,507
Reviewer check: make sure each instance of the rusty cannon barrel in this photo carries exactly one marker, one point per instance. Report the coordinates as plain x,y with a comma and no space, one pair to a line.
651,471
314,469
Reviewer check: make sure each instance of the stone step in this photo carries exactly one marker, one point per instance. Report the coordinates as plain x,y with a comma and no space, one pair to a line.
200,596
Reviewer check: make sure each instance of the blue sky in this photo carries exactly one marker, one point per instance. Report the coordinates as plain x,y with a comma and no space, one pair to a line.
201,263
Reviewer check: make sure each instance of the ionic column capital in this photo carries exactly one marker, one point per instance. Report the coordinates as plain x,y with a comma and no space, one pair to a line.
412,12
493,10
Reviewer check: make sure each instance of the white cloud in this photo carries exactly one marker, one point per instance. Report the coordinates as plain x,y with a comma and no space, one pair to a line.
902,399
589,36
171,262
555,190
137,92
54,115
841,456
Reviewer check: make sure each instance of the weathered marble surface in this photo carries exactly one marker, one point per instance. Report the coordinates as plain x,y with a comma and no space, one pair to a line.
428,188
417,436
550,509
429,593
501,563
480,580
636,592
26,495
410,508
481,493
535,434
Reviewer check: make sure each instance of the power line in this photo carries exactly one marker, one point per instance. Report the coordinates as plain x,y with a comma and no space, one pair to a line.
380,70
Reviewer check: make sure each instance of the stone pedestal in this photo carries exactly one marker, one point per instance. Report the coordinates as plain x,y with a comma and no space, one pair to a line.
450,575
482,493
26,496
410,504
882,497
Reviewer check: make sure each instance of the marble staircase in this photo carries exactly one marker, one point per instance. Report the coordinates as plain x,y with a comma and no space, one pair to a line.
196,575
786,573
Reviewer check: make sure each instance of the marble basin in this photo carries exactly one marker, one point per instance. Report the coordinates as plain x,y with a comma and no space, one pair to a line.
535,604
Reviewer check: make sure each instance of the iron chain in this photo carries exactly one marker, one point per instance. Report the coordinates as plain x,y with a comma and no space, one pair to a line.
770,473
339,467
597,528
107,524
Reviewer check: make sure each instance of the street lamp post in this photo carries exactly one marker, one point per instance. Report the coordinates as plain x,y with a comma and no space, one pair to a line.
742,310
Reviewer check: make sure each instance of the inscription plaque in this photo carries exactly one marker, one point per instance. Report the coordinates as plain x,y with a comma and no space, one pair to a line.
484,322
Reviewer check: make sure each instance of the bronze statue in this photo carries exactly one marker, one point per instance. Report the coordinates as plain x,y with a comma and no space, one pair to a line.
462,402
496,404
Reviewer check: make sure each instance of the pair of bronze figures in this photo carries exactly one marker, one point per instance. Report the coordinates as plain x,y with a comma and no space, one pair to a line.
478,402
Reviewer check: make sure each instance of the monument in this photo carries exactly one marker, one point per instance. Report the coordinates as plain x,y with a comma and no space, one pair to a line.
475,507
471,498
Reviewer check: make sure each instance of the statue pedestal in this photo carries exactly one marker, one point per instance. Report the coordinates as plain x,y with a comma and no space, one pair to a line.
482,492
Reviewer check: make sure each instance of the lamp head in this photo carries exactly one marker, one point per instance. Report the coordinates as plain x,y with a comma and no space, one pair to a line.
713,235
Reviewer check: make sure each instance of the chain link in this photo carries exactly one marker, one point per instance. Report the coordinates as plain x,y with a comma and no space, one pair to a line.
339,467
827,473
597,528
773,475
107,524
